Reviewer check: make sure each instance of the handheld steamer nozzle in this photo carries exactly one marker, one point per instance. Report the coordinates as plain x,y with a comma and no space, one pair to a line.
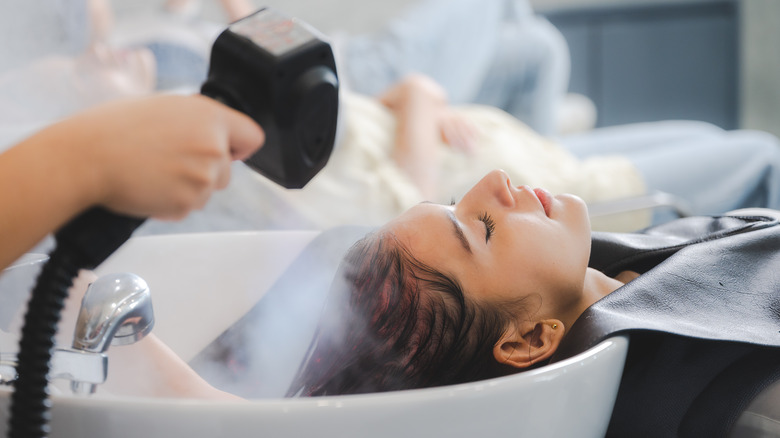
280,72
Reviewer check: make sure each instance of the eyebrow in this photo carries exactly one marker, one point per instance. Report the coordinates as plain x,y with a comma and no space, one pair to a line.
459,231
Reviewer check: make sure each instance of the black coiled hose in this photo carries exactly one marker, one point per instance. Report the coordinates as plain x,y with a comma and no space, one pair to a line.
83,243
29,401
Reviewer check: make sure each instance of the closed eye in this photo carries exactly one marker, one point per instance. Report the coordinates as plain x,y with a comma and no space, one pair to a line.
490,225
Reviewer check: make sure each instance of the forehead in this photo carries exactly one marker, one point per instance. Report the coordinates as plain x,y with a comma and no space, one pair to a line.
427,233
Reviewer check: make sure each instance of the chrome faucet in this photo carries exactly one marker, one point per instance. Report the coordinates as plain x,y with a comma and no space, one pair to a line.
76,366
115,310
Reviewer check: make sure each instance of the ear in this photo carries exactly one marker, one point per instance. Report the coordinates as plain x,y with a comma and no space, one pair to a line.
529,343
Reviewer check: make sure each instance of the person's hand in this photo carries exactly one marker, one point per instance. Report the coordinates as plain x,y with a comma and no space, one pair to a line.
412,91
458,131
418,94
160,156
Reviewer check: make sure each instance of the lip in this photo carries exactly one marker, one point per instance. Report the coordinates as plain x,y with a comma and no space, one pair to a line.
545,198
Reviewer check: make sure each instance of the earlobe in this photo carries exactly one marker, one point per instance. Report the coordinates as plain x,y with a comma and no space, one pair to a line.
528,344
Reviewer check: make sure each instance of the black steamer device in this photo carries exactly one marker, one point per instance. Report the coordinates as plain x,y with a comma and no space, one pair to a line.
276,69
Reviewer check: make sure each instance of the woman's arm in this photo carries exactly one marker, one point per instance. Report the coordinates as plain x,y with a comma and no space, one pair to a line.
159,156
149,368
423,120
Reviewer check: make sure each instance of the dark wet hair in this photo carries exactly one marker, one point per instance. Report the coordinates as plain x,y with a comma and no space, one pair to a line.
394,323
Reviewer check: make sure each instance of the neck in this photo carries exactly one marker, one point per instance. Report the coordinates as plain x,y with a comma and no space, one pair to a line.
597,285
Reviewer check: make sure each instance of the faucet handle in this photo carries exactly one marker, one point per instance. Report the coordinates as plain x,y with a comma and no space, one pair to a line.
8,374
79,366
84,369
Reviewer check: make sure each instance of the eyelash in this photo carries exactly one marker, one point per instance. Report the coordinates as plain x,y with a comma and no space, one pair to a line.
490,225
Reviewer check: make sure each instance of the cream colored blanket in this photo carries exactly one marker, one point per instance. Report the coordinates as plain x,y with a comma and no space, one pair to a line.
362,185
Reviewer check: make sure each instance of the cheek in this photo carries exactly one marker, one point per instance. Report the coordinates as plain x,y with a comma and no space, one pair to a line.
525,265
546,282
537,254
575,219
548,256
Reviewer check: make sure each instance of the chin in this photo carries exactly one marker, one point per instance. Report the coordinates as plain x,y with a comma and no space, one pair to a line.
575,209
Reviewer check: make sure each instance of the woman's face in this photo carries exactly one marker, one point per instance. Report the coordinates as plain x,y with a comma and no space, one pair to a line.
503,243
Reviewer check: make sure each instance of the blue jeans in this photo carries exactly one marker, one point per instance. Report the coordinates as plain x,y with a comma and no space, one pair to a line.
496,53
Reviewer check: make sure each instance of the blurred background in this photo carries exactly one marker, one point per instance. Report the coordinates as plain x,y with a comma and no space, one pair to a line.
637,60
576,66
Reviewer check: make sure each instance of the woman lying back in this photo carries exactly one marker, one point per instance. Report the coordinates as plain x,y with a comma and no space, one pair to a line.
500,282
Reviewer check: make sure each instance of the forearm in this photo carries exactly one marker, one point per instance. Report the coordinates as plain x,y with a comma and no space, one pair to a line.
160,156
44,181
150,368
416,144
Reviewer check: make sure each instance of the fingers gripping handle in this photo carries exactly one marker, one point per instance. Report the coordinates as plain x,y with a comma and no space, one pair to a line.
277,70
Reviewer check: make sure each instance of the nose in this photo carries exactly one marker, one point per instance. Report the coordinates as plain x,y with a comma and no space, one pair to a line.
496,185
